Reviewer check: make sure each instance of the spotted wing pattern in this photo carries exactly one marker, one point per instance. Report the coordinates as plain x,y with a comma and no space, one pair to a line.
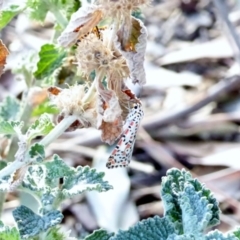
122,153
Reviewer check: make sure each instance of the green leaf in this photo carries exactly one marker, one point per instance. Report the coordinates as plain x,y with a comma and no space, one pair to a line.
44,108
69,7
56,234
38,9
37,152
7,233
25,67
60,8
31,224
41,127
34,179
196,211
51,58
151,228
177,195
48,198
219,236
9,109
138,14
56,169
237,233
184,237
9,13
35,182
5,183
99,235
3,164
84,179
11,127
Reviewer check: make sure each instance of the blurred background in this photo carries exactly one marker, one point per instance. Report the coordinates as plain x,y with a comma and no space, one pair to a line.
192,115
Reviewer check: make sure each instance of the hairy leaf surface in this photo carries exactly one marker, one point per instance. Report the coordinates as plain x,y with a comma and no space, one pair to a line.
151,228
9,13
9,109
51,58
99,235
40,127
10,127
84,179
31,224
8,233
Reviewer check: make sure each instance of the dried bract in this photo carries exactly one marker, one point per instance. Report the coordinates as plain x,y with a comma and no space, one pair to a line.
109,116
132,44
82,22
110,130
112,109
3,56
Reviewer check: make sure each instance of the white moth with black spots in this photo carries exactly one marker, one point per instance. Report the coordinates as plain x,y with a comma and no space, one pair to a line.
122,153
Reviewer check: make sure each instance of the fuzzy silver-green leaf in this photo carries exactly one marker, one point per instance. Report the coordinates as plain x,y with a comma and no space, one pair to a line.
84,179
149,229
9,109
40,127
31,224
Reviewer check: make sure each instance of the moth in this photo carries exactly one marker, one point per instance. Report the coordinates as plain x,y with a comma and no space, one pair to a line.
122,153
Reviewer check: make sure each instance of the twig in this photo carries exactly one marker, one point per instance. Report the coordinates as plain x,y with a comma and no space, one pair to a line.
211,120
221,7
157,151
162,120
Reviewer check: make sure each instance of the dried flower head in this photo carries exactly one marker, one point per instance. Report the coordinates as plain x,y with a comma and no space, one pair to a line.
82,22
119,67
92,55
71,102
120,8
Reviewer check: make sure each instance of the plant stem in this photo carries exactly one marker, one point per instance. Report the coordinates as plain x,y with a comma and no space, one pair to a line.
113,35
55,133
91,91
2,200
11,168
61,20
25,116
58,130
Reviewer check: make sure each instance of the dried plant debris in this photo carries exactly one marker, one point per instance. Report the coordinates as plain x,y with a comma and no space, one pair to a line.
3,56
